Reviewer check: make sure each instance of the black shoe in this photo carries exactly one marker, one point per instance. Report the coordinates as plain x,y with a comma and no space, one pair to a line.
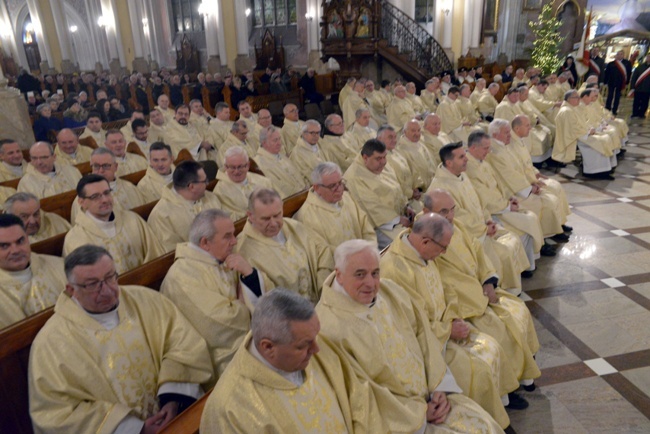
509,430
560,238
548,250
516,402
601,175
527,274
566,228
529,388
552,163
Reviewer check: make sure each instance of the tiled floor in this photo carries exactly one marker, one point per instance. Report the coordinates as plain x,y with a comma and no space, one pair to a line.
591,305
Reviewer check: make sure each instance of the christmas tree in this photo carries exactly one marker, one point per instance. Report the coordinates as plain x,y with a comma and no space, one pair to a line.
546,47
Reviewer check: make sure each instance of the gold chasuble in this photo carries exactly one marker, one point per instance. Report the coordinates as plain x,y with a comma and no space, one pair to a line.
452,120
390,344
173,215
335,222
99,137
515,173
84,378
539,141
419,161
571,126
130,163
358,135
81,156
220,130
180,137
430,100
64,178
399,167
152,184
282,172
125,196
497,203
349,108
231,141
306,157
127,132
337,149
132,244
434,144
8,172
464,268
51,225
201,124
157,133
486,103
399,112
290,133
504,249
24,293
300,264
6,192
261,400
234,197
207,293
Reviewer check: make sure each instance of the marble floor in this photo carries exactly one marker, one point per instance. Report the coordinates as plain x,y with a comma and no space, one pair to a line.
591,307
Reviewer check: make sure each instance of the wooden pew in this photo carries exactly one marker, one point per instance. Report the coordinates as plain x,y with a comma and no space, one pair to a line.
88,141
183,155
134,177
50,246
145,210
150,274
133,148
292,204
188,422
60,204
13,183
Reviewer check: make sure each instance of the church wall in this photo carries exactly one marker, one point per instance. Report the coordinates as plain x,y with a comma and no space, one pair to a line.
49,31
457,29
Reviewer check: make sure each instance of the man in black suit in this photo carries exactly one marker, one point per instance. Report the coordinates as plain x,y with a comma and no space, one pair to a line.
640,83
507,74
617,74
596,65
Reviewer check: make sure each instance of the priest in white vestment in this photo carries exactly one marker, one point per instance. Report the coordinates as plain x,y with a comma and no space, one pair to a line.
39,225
433,138
68,150
158,174
291,129
307,153
128,162
335,143
44,177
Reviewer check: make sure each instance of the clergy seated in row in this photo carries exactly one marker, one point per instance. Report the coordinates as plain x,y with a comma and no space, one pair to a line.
468,275
141,135
246,114
29,282
594,119
143,362
235,182
285,378
597,149
43,176
307,152
330,211
346,90
12,163
220,126
510,107
360,132
180,203
238,136
387,338
433,138
477,360
399,166
39,225
417,156
543,127
467,109
207,283
163,107
128,162
414,99
453,122
94,129
546,102
68,150
123,233
159,173
180,134
502,247
282,249
125,195
354,101
400,110
430,94
513,166
486,103
199,118
374,187
292,128
479,90
263,120
502,207
335,145
157,127
276,166
606,117
127,130
377,103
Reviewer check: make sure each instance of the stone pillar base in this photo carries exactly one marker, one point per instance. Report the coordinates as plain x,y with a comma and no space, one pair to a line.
140,65
214,64
315,62
243,63
154,65
115,67
98,68
67,67
14,117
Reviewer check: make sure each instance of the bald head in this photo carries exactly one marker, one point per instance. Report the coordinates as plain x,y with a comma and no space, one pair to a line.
67,141
440,202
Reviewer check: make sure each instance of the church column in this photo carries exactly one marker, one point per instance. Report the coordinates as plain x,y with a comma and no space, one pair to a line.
96,35
478,23
446,11
212,38
509,16
313,16
61,26
108,23
43,45
135,16
243,60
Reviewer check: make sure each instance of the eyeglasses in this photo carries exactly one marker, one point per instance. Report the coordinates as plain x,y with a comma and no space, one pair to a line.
203,181
444,248
240,167
334,186
312,132
106,166
97,196
40,158
96,285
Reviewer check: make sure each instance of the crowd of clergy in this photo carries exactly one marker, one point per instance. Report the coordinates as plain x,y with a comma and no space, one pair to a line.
299,324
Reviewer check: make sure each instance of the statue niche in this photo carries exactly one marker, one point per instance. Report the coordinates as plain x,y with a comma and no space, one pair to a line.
349,19
269,55
187,59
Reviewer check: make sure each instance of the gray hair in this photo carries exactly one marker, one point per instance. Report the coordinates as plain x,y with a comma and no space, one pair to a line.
493,85
266,132
385,127
263,195
48,144
220,106
18,197
352,247
496,125
324,169
330,119
203,225
360,111
43,106
236,126
568,94
498,78
235,150
103,151
432,225
274,313
475,138
307,124
88,254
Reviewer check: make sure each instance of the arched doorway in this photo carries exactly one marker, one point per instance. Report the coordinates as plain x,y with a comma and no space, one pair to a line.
30,45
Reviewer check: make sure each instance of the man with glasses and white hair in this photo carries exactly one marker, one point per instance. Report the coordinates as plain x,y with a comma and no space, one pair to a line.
180,203
43,177
123,233
307,153
29,282
115,359
276,165
235,183
39,225
330,211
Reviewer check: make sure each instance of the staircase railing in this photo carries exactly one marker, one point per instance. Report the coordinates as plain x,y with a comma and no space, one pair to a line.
410,38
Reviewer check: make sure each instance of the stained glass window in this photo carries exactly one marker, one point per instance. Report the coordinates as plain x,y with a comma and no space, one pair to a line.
186,15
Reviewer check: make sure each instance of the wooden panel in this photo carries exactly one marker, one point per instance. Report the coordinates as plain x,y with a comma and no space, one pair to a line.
13,183
150,274
88,141
60,204
292,204
187,422
144,210
133,148
84,168
50,246
183,155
